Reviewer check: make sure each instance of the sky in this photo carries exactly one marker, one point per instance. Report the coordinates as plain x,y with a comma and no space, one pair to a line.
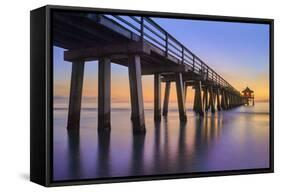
239,52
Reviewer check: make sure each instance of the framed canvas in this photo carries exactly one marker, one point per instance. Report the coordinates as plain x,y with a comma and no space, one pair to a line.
119,95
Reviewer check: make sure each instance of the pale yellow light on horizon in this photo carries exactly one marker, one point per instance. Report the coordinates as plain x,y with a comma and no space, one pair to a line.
120,87
259,84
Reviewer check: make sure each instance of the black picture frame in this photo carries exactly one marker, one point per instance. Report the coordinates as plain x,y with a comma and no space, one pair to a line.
41,83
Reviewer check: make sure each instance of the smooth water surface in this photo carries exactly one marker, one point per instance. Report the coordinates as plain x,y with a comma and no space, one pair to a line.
229,140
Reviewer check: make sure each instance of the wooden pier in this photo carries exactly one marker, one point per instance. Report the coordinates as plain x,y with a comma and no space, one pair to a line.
146,49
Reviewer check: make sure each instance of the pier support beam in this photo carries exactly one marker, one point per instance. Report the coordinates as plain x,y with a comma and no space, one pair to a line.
226,96
134,66
208,99
212,100
157,97
223,100
180,97
75,96
205,98
198,103
195,99
218,100
104,78
166,98
230,100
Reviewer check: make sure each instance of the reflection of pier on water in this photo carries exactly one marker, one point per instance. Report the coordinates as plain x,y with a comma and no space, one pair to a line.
195,138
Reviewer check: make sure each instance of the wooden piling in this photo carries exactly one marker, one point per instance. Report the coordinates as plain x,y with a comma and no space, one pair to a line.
223,105
157,97
208,106
138,121
104,100
212,100
205,98
195,99
166,98
180,97
218,100
226,97
230,100
75,95
198,99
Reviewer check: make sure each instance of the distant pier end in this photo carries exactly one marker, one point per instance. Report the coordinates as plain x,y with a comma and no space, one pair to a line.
248,96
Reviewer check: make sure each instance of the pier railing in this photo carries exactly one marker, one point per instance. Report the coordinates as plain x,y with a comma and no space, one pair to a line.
149,30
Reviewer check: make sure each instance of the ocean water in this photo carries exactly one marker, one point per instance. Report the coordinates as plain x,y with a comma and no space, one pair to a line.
230,140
